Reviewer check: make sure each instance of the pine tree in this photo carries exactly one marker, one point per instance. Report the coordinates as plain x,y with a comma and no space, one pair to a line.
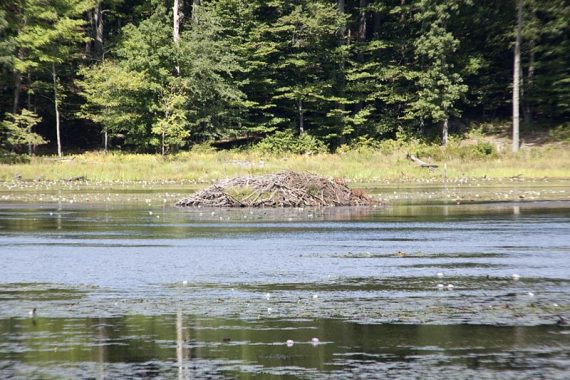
439,84
6,43
545,60
378,80
309,58
48,36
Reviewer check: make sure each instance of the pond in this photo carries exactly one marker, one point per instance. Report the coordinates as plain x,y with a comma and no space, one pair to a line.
126,285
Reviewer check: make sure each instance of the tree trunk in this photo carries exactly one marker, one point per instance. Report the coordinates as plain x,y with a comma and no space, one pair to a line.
89,43
29,92
98,25
376,26
341,8
445,132
56,105
162,145
527,109
361,38
176,22
341,80
402,26
362,23
176,28
301,117
195,5
516,76
29,106
17,91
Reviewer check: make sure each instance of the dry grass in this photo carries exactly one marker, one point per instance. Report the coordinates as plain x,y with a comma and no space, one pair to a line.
363,165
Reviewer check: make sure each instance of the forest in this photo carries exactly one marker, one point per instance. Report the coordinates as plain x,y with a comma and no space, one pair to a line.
159,76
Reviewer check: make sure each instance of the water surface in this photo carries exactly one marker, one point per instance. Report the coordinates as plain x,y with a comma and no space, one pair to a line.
144,289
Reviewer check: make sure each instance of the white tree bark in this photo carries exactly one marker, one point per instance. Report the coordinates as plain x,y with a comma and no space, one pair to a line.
516,77
301,116
98,21
445,132
56,106
176,22
176,27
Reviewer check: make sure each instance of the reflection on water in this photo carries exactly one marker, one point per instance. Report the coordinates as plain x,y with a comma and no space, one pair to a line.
186,346
401,291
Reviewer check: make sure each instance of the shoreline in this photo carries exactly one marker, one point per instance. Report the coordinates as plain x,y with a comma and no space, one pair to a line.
355,167
460,191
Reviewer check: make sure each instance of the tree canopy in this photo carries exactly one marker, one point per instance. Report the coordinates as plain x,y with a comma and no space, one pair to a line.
161,75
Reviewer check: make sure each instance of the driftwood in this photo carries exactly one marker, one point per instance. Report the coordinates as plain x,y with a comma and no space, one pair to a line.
420,163
60,159
80,178
285,189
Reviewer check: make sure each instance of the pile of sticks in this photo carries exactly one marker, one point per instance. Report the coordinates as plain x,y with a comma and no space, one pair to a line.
284,189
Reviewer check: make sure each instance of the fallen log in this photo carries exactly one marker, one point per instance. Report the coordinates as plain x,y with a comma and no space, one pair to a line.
420,163
80,178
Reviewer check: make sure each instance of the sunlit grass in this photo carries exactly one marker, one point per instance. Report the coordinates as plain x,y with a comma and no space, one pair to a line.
354,166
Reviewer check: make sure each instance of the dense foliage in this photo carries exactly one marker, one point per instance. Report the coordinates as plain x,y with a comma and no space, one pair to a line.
161,75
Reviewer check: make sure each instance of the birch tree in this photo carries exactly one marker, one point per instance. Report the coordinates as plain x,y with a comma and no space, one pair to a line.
517,76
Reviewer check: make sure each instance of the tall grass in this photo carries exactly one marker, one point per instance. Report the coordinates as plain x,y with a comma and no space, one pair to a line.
364,164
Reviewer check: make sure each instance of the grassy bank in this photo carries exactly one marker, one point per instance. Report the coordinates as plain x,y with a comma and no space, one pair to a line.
364,164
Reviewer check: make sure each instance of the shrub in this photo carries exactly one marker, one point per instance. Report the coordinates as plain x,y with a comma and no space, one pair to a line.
363,145
11,158
205,147
560,133
484,148
287,142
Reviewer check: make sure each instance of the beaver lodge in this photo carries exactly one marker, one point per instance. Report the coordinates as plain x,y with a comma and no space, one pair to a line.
284,189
